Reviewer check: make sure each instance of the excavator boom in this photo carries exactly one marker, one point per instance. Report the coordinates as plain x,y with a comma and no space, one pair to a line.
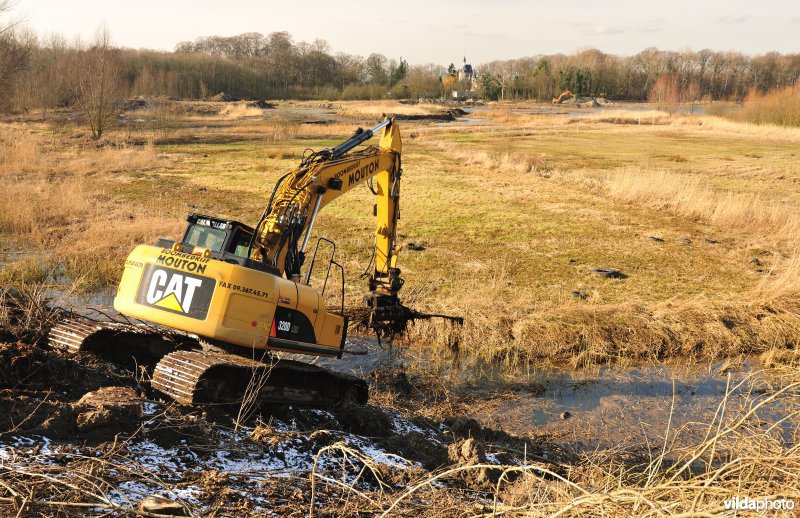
321,178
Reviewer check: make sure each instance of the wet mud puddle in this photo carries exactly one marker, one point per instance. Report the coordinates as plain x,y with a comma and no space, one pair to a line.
616,406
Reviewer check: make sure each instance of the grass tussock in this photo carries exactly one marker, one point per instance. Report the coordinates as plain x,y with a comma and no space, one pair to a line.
113,160
639,117
504,114
582,336
499,158
740,128
783,281
240,110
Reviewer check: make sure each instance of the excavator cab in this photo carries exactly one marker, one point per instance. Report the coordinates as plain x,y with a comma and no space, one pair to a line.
216,235
222,239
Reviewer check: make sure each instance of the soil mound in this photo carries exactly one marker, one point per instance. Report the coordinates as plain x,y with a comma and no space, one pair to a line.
223,98
110,410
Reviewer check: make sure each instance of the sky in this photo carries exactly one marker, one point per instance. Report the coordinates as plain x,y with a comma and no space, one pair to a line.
426,31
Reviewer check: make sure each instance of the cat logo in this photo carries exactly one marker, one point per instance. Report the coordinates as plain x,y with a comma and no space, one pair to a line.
175,291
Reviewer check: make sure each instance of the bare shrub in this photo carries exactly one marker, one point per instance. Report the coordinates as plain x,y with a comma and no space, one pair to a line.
167,118
14,53
97,82
25,312
780,106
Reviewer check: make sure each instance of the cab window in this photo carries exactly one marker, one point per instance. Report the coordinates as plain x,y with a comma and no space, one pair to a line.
242,243
205,237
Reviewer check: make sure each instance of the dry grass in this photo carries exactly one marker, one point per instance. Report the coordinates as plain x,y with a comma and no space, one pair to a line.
639,117
54,204
756,132
498,159
372,108
240,110
514,217
500,113
780,106
783,281
686,195
688,474
626,333
513,220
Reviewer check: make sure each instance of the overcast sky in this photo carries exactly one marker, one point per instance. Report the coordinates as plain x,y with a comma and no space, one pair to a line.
439,32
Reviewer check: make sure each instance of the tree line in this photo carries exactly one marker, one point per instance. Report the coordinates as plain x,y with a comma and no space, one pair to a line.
43,73
703,74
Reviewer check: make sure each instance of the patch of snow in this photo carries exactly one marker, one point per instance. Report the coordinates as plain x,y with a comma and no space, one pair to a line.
129,493
491,458
403,426
187,494
378,455
157,459
149,408
28,447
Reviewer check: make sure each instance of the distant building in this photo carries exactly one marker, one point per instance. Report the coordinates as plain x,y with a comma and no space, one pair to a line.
466,73
467,76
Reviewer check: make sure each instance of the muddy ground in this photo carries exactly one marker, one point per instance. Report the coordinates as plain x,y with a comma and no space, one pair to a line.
79,436
97,438
82,436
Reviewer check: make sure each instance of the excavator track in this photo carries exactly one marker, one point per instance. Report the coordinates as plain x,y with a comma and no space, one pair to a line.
191,376
201,377
121,341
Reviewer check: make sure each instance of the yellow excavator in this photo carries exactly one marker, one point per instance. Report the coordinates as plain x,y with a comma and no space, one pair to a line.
215,308
563,97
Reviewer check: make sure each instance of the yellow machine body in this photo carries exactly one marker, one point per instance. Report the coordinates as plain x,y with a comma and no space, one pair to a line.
227,302
242,286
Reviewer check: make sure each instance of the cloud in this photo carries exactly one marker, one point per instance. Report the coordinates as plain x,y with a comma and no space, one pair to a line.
590,29
603,30
486,35
734,19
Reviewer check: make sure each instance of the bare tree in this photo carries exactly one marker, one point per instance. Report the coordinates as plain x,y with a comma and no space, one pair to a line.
13,52
376,69
665,93
98,82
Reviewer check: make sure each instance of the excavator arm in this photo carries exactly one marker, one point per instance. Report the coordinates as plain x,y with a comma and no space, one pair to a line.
282,234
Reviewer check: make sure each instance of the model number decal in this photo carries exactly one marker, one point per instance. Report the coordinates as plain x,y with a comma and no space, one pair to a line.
284,326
